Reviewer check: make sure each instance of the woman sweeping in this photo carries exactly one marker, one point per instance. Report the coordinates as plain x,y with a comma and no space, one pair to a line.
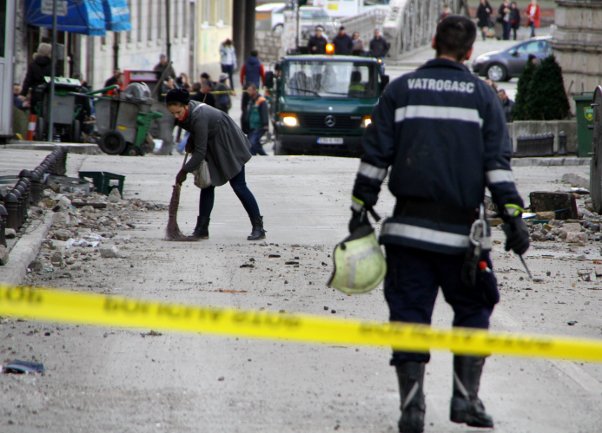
216,139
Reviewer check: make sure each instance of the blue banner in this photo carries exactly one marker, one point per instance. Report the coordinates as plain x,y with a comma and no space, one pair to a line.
117,15
87,17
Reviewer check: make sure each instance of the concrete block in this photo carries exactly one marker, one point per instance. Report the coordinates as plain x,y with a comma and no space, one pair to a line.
576,238
562,203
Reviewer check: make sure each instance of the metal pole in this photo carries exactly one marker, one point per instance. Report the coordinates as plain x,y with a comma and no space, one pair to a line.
52,74
116,41
167,29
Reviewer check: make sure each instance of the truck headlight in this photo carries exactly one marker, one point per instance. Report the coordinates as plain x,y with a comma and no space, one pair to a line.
289,119
366,121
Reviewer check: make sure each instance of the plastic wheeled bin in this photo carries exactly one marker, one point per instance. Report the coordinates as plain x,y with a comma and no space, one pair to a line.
585,123
65,110
123,121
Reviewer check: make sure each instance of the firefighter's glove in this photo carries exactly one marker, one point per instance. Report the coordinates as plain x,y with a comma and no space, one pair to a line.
181,177
358,219
517,235
365,194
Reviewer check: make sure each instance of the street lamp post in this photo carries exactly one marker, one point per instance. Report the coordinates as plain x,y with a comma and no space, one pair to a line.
52,73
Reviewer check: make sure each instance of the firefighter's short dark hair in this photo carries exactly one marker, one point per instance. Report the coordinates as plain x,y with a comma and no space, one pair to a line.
455,36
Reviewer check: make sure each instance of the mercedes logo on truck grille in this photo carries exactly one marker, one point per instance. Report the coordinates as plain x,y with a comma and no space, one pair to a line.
330,121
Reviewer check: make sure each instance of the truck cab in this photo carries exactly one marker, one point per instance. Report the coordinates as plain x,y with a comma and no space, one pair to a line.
322,104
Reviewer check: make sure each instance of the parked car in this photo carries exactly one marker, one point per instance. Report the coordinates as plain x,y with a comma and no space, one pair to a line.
270,16
509,63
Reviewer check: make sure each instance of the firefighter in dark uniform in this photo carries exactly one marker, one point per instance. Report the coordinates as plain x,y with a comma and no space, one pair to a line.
442,133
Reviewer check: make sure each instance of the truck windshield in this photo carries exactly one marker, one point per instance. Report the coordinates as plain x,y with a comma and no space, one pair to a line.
331,79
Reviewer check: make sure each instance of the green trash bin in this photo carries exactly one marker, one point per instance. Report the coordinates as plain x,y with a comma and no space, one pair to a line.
585,123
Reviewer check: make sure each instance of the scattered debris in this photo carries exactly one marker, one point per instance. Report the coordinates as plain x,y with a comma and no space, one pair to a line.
151,333
22,367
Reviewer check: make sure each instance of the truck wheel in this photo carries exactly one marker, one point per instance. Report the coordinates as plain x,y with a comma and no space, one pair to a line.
112,143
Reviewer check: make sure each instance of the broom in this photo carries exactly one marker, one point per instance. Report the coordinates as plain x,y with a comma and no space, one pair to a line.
172,232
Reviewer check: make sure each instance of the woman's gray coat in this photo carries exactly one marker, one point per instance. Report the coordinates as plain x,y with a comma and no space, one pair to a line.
216,139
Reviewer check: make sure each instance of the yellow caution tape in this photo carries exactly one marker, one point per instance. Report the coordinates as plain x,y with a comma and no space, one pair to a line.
103,310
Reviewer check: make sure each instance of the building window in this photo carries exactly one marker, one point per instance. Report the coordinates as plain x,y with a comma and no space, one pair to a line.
222,12
149,20
185,18
160,14
139,20
128,35
206,17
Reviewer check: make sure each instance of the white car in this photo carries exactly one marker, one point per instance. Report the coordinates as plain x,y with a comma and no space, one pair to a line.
271,16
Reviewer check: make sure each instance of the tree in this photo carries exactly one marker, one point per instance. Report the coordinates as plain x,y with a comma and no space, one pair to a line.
519,111
546,98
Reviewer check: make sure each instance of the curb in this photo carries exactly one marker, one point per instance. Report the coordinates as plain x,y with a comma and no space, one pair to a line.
25,251
550,162
79,148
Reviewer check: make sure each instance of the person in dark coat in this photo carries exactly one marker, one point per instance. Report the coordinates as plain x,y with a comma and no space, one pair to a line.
317,42
514,18
429,240
484,18
204,94
379,47
216,139
36,71
164,65
503,16
343,44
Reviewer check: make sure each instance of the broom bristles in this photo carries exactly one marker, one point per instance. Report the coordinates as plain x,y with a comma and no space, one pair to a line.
172,231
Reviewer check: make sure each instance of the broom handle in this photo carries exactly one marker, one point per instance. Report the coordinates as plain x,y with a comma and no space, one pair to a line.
185,158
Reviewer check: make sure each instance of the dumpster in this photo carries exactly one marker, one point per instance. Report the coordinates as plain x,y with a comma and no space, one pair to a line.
123,121
585,123
65,109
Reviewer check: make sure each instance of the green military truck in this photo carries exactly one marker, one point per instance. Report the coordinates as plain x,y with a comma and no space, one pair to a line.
322,104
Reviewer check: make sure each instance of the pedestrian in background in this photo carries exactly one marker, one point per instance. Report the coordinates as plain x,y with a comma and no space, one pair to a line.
252,72
358,44
507,104
40,67
379,47
183,82
317,42
257,119
533,13
514,19
503,14
445,12
343,44
216,139
227,56
484,18
222,94
438,197
164,65
204,94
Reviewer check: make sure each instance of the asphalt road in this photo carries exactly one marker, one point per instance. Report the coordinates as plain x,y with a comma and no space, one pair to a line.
119,380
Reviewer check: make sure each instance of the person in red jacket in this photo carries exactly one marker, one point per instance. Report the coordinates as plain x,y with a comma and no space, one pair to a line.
533,13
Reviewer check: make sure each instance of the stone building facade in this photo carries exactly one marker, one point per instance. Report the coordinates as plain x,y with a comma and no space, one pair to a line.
577,43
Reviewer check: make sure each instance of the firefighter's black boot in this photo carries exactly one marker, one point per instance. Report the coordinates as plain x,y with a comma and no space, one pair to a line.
466,407
411,380
201,231
258,232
